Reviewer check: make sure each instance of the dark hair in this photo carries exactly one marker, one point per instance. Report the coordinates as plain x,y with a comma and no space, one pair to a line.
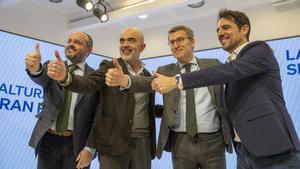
239,18
186,29
90,40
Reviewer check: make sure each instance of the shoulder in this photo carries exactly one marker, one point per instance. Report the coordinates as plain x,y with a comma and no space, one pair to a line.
168,66
209,61
257,46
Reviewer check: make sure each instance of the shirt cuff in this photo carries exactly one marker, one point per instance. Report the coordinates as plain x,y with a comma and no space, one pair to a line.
89,149
67,82
36,73
128,86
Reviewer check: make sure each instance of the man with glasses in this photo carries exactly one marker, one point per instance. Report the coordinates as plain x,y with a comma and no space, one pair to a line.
124,134
64,124
193,126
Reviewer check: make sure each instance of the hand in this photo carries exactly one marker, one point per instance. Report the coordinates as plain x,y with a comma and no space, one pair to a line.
115,76
33,60
163,84
57,69
83,159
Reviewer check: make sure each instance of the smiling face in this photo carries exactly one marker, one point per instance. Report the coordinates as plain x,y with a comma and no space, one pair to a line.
182,46
131,44
230,36
77,48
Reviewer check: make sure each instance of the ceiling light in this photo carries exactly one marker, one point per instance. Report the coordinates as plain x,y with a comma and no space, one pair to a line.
138,4
145,16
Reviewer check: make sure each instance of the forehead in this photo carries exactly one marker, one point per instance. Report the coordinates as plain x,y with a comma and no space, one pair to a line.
78,35
130,34
225,21
179,33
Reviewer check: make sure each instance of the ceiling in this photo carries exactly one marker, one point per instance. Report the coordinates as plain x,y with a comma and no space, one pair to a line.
160,12
161,15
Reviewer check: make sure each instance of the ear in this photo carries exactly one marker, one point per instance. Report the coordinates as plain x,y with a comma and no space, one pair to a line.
245,30
143,46
193,42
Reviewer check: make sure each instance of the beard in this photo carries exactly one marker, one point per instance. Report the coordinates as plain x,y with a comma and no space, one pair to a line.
75,58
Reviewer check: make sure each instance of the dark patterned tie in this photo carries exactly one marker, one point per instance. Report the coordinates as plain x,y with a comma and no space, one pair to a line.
63,116
191,121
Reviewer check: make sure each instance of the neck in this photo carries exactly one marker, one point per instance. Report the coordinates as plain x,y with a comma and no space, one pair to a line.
135,65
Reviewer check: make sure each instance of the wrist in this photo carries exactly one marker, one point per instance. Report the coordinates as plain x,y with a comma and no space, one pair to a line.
178,82
124,81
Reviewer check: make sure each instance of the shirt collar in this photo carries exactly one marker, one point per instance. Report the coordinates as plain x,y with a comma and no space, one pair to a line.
237,50
80,65
193,62
132,71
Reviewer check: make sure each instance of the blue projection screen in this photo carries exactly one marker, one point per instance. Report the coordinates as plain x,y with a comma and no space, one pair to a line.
20,98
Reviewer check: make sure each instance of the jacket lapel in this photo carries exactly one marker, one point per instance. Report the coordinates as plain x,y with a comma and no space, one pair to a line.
211,90
87,69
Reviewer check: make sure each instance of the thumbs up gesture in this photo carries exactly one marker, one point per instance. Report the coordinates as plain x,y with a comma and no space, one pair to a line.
33,60
115,76
163,84
57,69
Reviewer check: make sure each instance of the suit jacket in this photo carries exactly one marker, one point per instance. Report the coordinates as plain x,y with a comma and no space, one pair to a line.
112,130
254,99
171,101
84,112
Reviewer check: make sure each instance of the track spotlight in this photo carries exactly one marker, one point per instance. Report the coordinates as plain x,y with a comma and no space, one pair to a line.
85,4
99,8
100,12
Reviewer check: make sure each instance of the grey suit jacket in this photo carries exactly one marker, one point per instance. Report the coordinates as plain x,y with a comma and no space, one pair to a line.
254,99
171,101
84,112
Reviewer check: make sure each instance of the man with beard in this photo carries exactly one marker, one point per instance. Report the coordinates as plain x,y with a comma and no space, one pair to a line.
65,122
124,134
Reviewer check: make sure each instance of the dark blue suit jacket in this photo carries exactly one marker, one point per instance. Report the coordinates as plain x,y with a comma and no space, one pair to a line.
254,99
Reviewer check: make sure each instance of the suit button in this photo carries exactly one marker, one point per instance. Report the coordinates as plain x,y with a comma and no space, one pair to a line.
130,121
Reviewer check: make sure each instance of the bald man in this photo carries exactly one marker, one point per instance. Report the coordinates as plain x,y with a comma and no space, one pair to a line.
124,134
65,122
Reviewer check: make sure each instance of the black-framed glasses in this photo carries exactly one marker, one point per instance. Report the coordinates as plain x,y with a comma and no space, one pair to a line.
178,40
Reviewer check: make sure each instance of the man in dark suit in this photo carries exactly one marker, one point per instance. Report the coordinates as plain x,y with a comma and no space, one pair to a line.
124,133
263,131
64,124
196,134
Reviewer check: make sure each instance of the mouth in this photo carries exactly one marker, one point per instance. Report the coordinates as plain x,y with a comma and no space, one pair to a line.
70,50
178,51
126,51
223,39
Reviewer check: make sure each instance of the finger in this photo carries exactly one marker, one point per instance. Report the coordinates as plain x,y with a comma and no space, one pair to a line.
37,48
58,57
116,64
156,74
78,158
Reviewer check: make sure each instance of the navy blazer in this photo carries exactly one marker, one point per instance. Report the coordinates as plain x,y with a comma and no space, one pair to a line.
254,99
84,112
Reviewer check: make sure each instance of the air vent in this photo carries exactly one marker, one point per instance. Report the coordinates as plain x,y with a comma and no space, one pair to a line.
198,4
56,1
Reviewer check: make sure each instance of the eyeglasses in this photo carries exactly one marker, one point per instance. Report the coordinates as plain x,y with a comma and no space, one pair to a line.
75,41
179,41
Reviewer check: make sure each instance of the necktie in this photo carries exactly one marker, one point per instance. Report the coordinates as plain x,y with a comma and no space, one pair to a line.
63,116
191,121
